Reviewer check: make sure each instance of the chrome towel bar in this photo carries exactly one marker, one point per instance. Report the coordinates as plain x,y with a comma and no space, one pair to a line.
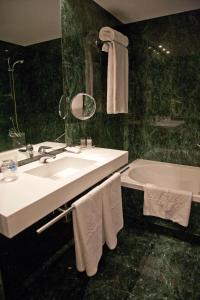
54,220
65,212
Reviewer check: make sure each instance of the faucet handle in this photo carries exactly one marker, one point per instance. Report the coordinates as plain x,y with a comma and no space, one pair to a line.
42,149
29,147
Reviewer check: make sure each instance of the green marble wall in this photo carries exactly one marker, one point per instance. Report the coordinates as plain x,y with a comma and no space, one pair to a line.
45,87
164,109
81,22
163,120
164,91
38,86
164,88
6,102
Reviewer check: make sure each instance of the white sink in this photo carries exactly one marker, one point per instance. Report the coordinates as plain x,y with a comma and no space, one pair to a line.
61,168
42,188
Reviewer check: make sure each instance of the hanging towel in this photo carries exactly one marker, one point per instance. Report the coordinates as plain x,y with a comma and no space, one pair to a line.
109,34
112,209
88,231
117,74
168,204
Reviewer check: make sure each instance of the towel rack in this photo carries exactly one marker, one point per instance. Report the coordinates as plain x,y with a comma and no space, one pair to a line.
65,212
100,43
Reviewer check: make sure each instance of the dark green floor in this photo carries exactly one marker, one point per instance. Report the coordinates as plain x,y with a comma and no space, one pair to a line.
145,265
154,260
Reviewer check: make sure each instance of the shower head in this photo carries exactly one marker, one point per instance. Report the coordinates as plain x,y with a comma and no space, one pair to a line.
21,61
17,62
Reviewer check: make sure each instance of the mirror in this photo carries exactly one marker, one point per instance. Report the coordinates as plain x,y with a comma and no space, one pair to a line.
31,82
83,106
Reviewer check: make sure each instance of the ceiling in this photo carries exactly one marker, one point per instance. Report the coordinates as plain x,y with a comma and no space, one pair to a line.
26,22
128,11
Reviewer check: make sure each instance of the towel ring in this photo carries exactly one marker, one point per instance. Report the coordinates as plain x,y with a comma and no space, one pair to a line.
99,43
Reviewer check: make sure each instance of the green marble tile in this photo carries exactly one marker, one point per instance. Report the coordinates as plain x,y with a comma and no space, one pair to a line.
169,272
38,88
164,86
81,22
144,265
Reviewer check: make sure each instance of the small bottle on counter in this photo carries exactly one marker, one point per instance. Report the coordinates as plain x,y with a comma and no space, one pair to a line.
83,142
89,142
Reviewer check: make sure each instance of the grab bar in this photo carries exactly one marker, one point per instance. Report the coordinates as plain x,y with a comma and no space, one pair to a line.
54,220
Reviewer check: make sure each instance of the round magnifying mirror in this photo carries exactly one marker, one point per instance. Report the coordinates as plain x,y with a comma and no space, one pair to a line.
83,106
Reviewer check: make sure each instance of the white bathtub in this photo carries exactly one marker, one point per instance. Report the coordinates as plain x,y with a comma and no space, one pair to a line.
166,175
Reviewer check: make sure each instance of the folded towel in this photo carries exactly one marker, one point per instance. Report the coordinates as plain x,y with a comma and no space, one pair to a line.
75,149
88,231
109,34
117,73
168,204
112,209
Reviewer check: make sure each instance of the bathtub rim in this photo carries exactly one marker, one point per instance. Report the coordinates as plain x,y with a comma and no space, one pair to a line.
126,181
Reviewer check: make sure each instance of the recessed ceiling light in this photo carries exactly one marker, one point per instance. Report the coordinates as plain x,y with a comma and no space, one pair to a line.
168,52
160,46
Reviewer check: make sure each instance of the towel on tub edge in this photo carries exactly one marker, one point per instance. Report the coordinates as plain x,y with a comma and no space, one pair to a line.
167,204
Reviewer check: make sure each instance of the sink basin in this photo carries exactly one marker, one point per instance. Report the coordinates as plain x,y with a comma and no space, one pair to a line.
61,168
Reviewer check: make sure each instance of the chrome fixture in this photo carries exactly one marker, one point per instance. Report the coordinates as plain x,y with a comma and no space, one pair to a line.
29,150
42,149
45,155
11,70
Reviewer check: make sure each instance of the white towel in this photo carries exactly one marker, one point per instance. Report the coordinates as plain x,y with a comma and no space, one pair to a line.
112,209
109,34
117,74
168,204
88,231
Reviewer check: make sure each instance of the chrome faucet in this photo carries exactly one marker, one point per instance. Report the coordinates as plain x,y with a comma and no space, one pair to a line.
29,149
45,155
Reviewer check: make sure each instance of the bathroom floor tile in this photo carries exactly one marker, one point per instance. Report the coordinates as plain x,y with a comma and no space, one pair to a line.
144,265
